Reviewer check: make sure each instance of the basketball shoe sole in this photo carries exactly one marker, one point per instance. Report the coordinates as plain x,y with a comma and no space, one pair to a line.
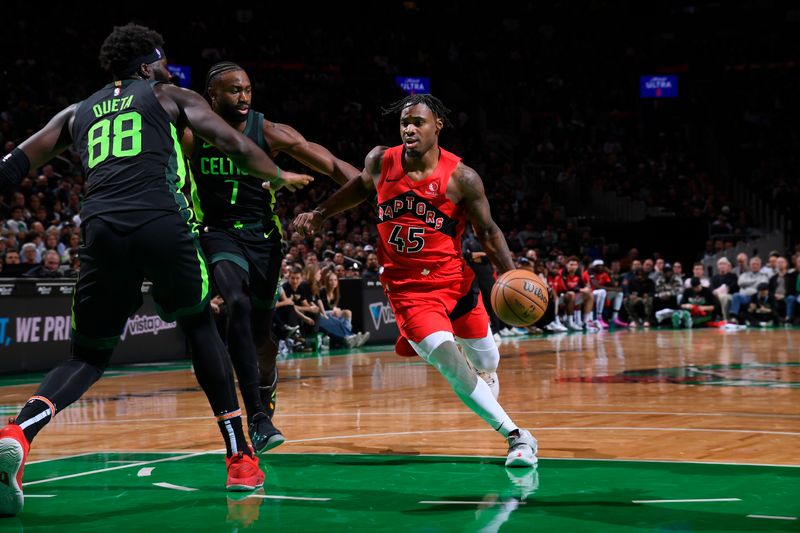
266,439
12,461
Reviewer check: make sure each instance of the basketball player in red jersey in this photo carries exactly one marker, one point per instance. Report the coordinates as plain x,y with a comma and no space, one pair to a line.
425,195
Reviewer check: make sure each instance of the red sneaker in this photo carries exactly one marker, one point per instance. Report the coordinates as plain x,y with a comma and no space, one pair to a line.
13,452
244,473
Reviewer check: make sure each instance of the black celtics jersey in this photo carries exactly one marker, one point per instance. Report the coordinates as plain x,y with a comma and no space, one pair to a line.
224,196
130,153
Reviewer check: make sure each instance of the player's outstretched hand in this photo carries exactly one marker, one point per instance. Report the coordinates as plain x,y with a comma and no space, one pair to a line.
293,181
308,223
290,180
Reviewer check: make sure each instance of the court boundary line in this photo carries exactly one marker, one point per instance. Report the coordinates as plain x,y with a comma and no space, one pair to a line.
74,456
171,486
464,502
280,497
690,500
457,413
218,451
672,461
534,429
110,469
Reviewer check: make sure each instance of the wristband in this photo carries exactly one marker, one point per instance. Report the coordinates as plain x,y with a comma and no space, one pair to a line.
13,167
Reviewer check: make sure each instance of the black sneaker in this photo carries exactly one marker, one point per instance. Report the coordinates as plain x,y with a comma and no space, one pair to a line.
263,435
269,396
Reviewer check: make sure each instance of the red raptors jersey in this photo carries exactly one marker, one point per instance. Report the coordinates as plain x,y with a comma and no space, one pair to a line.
602,279
572,282
556,283
420,228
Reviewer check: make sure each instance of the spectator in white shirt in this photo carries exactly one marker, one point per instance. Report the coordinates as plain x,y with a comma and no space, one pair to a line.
748,286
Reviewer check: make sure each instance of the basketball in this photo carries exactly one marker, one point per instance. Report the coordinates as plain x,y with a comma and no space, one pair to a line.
519,297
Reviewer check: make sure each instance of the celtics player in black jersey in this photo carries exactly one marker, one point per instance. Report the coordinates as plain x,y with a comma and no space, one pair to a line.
241,235
135,225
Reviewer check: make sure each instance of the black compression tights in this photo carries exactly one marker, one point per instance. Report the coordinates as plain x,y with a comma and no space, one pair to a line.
266,344
211,363
213,371
232,283
62,386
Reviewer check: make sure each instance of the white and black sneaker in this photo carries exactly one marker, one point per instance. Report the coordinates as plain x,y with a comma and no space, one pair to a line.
555,326
361,339
351,341
573,326
522,450
263,435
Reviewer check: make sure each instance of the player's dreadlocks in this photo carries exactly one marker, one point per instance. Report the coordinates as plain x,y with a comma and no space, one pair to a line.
124,45
219,69
433,103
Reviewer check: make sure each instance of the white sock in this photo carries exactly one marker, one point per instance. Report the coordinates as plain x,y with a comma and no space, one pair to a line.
483,403
587,317
440,350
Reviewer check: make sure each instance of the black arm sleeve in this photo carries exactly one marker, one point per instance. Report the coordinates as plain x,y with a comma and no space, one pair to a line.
13,167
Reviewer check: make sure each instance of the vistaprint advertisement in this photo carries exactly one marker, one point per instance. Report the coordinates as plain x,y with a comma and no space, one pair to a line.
35,334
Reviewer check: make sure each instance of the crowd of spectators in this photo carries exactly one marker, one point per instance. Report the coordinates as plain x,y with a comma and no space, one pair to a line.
648,292
570,113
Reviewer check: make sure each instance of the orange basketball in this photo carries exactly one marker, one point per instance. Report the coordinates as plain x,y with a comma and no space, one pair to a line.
519,297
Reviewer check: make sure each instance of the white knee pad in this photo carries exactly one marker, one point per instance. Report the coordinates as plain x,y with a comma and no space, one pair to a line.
426,346
482,352
440,350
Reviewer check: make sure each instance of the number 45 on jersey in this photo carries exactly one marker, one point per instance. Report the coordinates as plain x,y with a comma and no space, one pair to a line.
412,242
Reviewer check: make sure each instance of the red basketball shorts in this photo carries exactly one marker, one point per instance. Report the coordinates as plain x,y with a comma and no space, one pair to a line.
438,303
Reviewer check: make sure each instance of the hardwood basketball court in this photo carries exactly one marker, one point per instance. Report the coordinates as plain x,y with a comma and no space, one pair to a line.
638,431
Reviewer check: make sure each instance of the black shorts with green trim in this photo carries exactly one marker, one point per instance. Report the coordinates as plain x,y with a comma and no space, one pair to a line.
253,248
117,256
